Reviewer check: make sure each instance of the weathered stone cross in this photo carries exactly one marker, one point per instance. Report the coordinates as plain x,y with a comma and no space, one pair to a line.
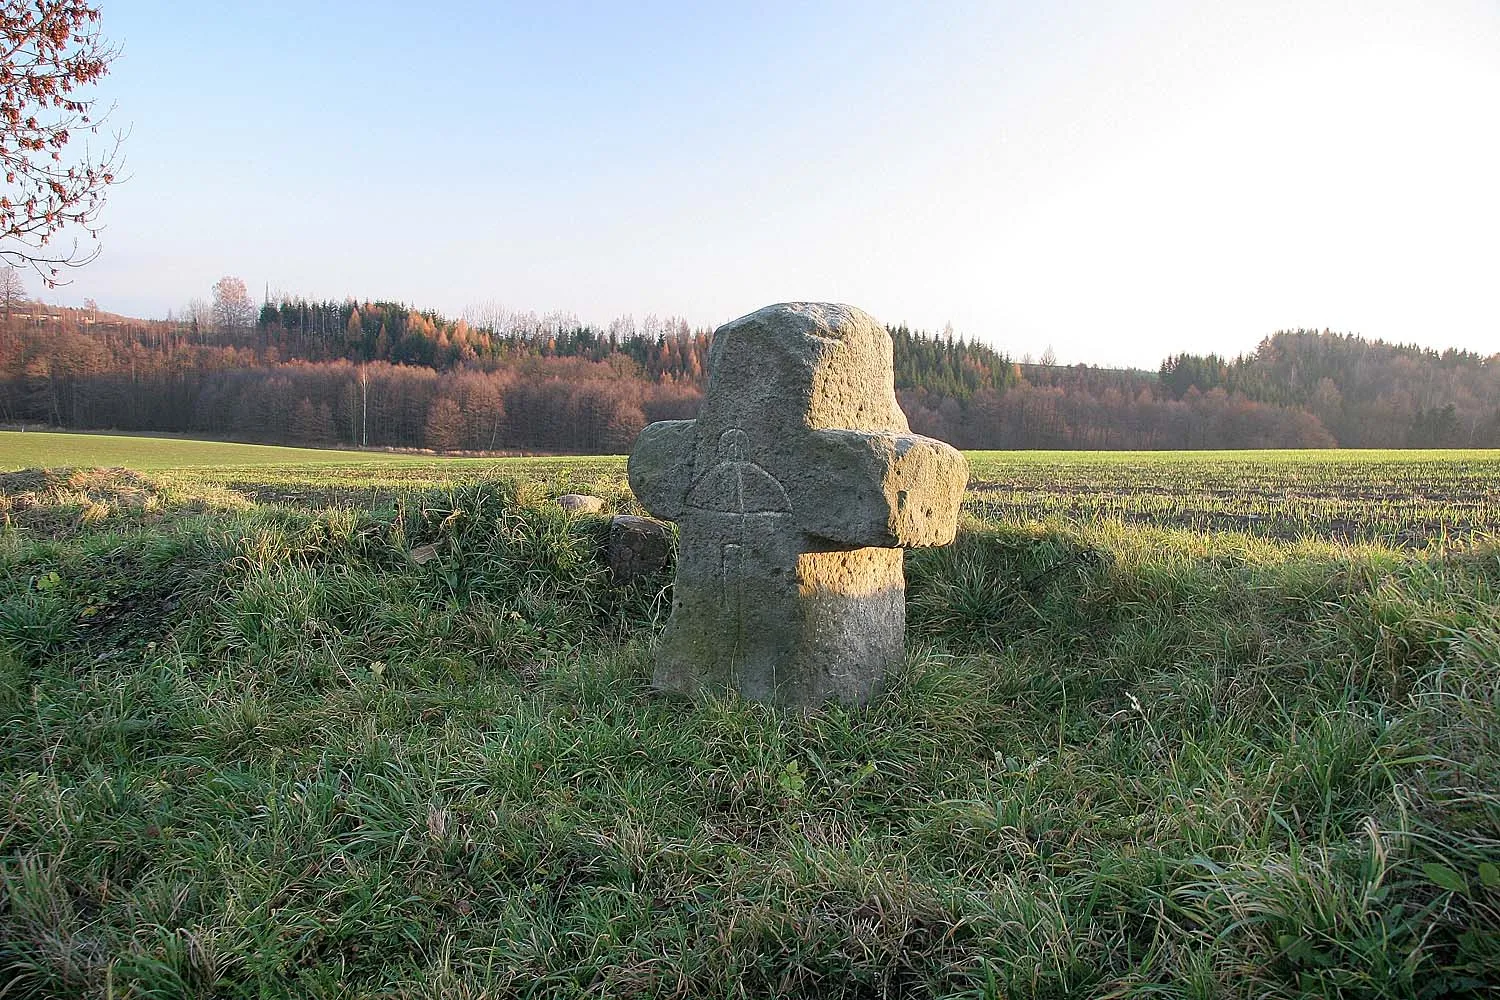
795,491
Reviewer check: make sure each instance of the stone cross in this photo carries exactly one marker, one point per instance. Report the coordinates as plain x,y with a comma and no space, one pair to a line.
794,491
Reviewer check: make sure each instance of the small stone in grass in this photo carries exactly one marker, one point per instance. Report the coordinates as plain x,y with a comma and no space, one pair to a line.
580,503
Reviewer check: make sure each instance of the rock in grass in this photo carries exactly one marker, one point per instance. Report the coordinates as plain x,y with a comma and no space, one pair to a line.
638,546
580,503
795,491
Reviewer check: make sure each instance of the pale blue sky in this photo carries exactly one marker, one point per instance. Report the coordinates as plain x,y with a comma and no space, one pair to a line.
1116,180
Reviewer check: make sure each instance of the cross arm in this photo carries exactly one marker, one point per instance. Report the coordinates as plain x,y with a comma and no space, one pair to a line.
661,466
879,488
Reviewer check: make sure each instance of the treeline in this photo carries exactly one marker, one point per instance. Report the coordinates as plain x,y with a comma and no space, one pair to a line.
542,404
1368,394
486,336
1059,417
976,398
381,374
360,374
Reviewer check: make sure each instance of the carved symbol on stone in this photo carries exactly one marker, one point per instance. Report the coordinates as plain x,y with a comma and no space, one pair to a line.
732,580
737,489
736,485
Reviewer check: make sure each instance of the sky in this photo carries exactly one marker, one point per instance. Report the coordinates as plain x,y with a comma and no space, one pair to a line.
1115,181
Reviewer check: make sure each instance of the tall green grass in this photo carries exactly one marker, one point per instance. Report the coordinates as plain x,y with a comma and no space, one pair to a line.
254,748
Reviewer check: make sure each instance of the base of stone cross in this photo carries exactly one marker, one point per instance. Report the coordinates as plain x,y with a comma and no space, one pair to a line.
819,627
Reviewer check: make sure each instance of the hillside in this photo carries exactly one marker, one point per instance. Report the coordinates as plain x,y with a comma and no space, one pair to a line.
1368,394
381,374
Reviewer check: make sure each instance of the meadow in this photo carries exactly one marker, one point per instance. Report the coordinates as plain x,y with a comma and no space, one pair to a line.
51,449
1184,725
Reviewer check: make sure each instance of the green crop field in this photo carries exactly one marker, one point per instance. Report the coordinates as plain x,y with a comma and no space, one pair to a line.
1391,497
44,449
1402,498
1182,725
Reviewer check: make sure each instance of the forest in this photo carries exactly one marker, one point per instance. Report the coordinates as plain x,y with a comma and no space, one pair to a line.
382,374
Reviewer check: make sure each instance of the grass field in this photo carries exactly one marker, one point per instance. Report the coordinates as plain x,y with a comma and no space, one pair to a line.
1401,498
1406,498
1170,725
45,449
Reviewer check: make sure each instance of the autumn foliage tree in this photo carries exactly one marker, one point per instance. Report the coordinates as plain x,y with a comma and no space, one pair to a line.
445,425
51,54
232,311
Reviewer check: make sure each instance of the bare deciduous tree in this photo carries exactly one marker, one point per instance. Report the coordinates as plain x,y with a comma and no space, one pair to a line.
12,288
200,317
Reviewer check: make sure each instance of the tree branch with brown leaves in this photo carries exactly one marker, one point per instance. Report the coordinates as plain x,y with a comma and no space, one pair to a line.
51,54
